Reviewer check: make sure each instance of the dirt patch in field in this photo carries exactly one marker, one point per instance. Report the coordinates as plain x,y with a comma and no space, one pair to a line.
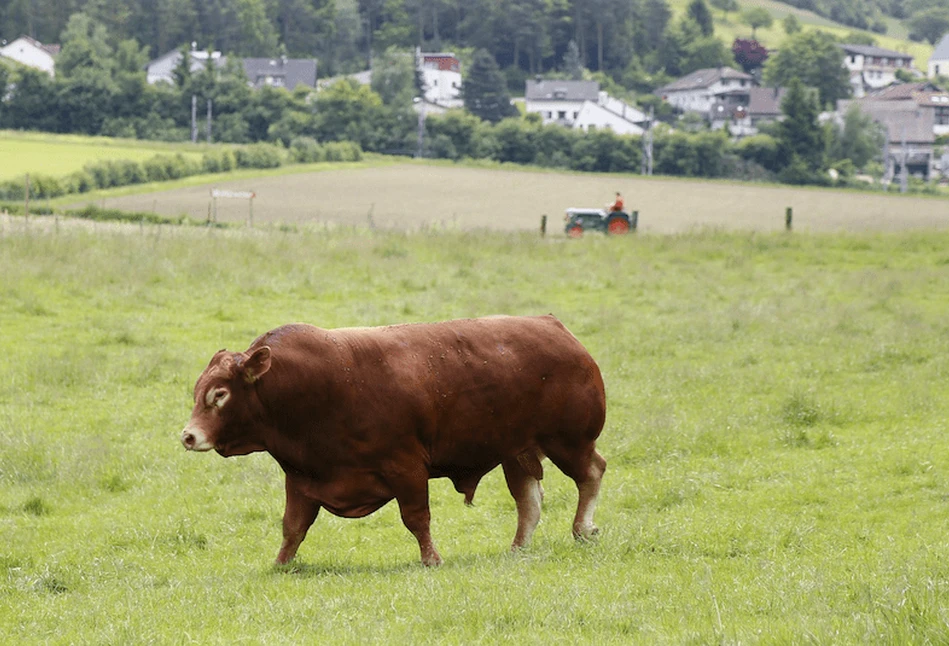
413,196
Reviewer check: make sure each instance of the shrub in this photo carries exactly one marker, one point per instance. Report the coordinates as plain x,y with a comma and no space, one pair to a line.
342,151
304,150
218,161
259,155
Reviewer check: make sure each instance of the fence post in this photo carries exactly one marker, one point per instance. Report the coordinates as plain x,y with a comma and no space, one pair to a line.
788,216
634,220
543,225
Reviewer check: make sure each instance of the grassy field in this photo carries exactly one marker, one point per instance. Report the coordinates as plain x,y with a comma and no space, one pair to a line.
58,155
412,196
776,429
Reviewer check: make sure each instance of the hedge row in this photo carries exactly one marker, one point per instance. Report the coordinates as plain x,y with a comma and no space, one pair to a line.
161,168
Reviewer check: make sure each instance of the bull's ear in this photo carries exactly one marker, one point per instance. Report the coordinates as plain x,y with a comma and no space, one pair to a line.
257,364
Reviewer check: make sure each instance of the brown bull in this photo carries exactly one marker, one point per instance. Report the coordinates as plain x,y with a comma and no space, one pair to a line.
358,416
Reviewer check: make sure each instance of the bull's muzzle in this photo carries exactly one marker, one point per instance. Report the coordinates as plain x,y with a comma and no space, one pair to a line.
194,439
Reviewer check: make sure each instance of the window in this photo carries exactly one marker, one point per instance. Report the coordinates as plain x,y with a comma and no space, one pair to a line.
941,116
561,114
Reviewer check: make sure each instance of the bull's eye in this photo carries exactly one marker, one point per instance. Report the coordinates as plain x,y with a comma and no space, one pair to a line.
217,397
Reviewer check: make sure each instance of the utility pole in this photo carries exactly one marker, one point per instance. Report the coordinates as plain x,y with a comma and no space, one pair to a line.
904,154
647,144
194,119
209,121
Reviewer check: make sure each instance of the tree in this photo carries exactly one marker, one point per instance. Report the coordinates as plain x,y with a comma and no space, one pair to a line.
699,12
85,46
485,92
257,35
791,24
756,17
725,5
929,24
750,54
572,66
860,139
393,77
815,59
799,135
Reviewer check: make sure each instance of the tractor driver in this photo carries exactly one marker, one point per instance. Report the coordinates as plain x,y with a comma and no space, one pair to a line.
617,205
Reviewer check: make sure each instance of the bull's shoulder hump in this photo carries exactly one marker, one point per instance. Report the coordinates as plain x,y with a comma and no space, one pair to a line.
290,332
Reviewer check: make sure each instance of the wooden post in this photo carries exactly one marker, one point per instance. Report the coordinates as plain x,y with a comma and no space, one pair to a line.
788,216
543,225
634,220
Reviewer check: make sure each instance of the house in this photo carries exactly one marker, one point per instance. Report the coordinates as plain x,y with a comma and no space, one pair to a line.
909,131
280,72
441,75
161,70
582,106
744,111
704,89
725,97
928,97
32,53
939,61
873,67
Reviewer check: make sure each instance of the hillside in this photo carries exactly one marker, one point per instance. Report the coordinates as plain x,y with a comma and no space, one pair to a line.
729,26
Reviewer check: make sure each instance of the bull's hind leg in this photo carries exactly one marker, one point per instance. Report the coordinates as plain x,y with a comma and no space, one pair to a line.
585,467
527,492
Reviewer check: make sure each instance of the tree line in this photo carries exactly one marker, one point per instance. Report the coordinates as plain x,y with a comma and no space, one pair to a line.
624,38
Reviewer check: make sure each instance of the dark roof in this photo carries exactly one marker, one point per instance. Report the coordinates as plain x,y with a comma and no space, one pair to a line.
281,72
873,50
899,91
562,90
764,101
704,78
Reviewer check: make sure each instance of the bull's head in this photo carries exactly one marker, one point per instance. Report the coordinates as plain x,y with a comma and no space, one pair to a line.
225,404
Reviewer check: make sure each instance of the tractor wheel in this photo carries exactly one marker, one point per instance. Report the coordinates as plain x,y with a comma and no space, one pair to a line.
575,231
617,226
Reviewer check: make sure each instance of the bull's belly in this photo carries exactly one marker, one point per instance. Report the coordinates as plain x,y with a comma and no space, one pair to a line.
349,495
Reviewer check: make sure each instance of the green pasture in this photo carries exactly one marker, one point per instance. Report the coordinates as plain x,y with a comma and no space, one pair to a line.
778,469
58,155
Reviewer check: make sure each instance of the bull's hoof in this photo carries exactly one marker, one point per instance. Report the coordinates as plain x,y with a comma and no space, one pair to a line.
585,534
432,561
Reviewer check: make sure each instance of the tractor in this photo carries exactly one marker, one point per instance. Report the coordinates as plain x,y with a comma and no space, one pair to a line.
609,222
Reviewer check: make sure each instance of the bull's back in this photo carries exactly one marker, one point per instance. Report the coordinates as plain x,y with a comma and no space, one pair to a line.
468,391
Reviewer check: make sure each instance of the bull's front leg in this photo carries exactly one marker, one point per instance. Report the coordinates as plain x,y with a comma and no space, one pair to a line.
299,514
412,495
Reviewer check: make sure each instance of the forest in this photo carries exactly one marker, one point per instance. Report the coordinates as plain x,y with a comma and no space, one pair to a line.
620,37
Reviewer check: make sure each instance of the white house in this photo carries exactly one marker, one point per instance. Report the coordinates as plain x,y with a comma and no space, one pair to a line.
31,53
582,106
441,74
704,89
939,61
873,67
162,68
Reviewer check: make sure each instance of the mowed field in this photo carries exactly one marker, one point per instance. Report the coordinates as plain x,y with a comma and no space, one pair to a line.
411,196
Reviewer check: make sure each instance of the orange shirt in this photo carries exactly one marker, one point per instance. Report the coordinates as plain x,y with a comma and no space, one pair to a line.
617,205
